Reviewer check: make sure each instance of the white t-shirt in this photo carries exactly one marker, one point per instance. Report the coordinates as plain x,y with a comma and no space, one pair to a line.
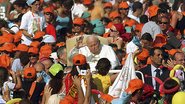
106,52
29,22
131,47
16,65
130,15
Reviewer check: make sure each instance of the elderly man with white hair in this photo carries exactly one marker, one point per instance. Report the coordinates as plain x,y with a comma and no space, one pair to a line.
94,51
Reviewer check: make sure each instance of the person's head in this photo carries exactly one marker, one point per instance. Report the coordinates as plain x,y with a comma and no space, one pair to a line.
123,8
137,7
39,67
164,23
34,4
94,45
33,54
78,25
24,58
143,19
108,7
114,32
19,5
48,14
47,64
146,40
103,66
62,54
156,55
179,58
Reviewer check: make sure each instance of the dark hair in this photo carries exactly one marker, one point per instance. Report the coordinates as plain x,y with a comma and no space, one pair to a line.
3,75
153,49
20,3
3,23
147,36
105,19
143,19
25,101
88,26
56,85
137,5
164,7
24,58
103,66
74,71
176,4
173,57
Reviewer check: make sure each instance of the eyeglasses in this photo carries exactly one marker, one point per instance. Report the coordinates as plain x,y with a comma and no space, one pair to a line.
163,22
123,8
113,30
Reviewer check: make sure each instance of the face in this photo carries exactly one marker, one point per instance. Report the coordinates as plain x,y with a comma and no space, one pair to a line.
113,31
63,56
157,57
94,46
48,17
33,58
35,7
146,44
17,8
117,20
179,59
77,28
123,11
164,24
107,9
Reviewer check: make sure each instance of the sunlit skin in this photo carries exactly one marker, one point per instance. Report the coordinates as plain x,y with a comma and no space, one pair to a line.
157,58
35,7
93,43
179,59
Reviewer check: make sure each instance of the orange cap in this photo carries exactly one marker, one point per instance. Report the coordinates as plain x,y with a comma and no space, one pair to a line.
60,44
107,4
143,55
35,44
45,51
160,40
172,51
17,36
7,47
114,14
78,21
33,50
130,22
123,5
29,72
6,38
5,61
134,84
79,59
21,47
48,10
152,10
86,2
139,27
39,34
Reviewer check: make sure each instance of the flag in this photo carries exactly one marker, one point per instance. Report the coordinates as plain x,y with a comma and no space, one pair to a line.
121,83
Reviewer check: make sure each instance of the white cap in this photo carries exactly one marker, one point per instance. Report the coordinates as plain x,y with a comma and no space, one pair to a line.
48,39
29,2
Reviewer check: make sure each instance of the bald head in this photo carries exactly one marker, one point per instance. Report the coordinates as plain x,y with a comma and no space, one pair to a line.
39,67
93,43
47,63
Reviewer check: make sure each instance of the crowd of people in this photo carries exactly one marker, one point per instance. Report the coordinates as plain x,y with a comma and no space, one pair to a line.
61,51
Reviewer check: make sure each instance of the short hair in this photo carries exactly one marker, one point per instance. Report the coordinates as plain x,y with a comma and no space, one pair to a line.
60,50
137,5
143,19
103,66
153,49
173,57
147,36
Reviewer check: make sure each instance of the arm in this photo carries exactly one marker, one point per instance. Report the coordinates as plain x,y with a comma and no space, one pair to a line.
77,82
113,77
47,94
174,20
88,91
26,33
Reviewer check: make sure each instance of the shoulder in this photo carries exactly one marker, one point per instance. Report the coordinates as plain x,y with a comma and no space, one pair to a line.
145,68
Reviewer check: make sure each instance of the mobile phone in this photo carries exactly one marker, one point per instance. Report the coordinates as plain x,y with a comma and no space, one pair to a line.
45,76
83,72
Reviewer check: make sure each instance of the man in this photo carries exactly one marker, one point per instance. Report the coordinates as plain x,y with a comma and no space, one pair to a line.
32,21
155,69
94,51
62,56
179,58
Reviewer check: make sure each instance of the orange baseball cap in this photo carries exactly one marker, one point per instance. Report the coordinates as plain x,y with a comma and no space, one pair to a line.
78,21
60,44
107,4
45,51
21,47
29,72
79,59
130,22
172,51
86,2
143,55
6,38
114,14
5,61
17,36
33,50
152,10
48,10
123,5
8,47
160,40
139,27
39,34
35,44
134,84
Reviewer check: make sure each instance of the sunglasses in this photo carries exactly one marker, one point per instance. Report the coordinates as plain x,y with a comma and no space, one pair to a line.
113,30
123,8
163,22
48,14
33,55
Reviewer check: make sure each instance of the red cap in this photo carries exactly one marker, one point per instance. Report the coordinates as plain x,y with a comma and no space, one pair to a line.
79,59
29,72
48,10
123,5
86,2
78,21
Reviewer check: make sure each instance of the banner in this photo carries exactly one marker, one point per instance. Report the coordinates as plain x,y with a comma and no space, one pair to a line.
121,83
